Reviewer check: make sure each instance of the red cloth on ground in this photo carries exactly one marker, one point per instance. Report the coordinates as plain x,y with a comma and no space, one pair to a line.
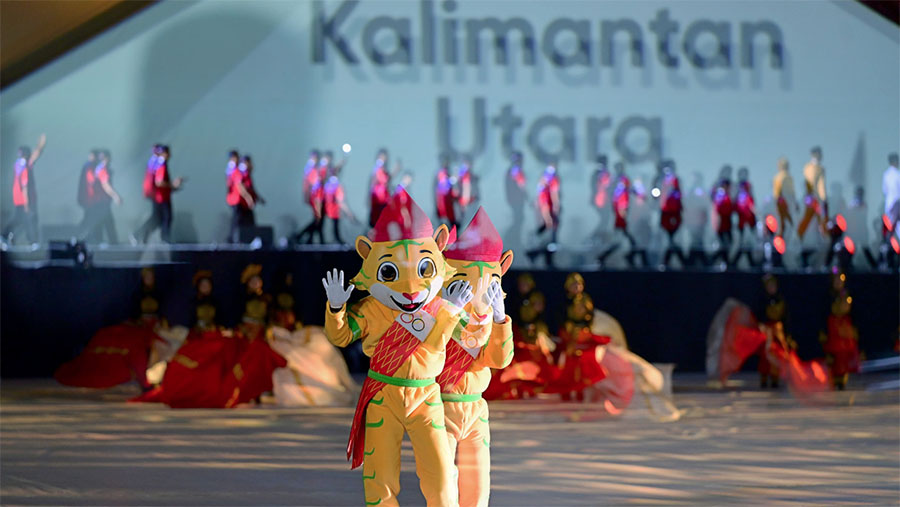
115,355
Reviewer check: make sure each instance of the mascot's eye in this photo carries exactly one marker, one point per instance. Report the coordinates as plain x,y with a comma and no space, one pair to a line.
387,272
426,268
455,285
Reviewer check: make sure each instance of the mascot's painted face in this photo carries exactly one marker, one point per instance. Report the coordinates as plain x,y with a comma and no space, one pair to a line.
480,275
406,274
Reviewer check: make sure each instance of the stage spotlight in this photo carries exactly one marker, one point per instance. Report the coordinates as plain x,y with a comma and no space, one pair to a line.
845,250
346,148
841,223
772,224
773,252
655,192
779,245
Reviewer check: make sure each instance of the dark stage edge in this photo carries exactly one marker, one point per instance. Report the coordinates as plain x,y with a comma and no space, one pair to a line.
51,308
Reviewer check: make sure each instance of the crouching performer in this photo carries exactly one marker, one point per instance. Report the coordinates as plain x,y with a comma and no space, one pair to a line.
484,342
404,326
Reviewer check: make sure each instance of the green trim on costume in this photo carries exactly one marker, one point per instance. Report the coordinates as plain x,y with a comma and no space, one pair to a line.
405,244
363,273
507,355
433,404
369,454
402,382
506,340
482,419
485,442
453,397
438,426
376,424
369,476
481,265
374,503
377,402
354,329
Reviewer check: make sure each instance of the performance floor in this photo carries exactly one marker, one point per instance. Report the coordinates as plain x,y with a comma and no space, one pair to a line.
62,446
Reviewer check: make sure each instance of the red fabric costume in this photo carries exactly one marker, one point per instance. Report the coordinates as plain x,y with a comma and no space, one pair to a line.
670,216
745,206
621,196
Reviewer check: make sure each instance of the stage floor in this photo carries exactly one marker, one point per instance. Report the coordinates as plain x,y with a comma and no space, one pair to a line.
65,446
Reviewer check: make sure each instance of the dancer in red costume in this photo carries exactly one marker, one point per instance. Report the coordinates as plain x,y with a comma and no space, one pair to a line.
213,370
532,367
380,185
445,194
314,194
256,304
723,207
841,340
468,195
745,208
243,198
119,354
24,194
670,211
579,362
159,191
735,336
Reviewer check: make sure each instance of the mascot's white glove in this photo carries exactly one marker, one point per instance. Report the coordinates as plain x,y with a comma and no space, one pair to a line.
458,294
494,297
334,289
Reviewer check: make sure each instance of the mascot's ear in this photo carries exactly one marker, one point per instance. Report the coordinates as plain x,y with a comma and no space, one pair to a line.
505,261
442,237
363,246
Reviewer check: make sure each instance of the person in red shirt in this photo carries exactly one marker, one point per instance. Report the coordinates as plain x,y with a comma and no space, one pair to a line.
99,194
723,207
548,207
24,194
161,196
242,198
670,211
335,205
445,194
468,195
380,186
745,208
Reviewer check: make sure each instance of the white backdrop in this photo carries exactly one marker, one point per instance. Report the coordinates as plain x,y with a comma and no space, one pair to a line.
268,79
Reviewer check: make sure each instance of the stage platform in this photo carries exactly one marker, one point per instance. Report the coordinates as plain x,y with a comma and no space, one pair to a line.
51,307
64,446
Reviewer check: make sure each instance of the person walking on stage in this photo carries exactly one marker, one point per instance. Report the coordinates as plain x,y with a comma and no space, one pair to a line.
445,194
25,194
99,194
160,195
335,205
380,186
242,198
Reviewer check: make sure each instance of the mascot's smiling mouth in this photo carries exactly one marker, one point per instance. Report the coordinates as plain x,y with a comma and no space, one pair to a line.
409,307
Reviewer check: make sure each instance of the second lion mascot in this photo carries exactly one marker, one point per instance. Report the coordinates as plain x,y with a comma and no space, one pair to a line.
483,343
404,325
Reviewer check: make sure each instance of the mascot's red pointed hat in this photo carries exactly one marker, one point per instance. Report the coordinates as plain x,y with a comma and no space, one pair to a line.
402,218
480,241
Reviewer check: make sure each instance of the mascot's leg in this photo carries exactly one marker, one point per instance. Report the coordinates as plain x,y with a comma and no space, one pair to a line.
473,457
427,432
381,463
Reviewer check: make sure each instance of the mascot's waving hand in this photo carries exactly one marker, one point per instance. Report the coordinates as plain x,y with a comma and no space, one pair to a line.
483,343
404,326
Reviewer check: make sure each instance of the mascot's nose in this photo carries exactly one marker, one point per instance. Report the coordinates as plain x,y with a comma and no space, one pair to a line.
411,297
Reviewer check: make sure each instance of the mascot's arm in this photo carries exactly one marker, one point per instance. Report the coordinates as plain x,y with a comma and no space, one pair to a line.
498,351
346,325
